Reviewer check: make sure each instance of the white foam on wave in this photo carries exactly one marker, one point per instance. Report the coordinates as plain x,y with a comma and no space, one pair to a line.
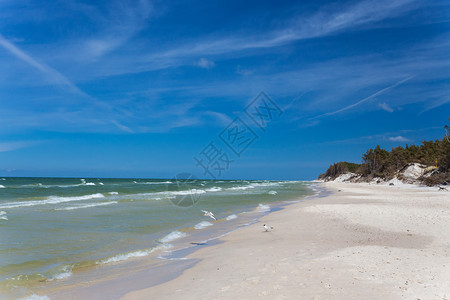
231,217
88,205
126,256
101,183
113,193
188,192
83,182
122,257
169,194
263,207
51,200
159,182
66,273
2,186
174,235
35,297
39,185
272,193
202,225
214,189
254,185
242,188
3,179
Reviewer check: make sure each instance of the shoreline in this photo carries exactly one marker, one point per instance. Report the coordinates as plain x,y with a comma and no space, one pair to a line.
106,282
360,241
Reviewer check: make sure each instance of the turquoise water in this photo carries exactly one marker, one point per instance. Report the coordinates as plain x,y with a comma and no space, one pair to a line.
51,227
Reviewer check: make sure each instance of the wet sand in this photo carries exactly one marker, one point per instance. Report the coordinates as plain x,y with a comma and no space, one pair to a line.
361,242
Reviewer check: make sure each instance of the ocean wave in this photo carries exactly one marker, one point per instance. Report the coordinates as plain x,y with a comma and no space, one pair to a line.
83,182
66,272
126,256
202,225
255,185
101,183
241,188
188,192
174,235
272,193
35,297
214,189
87,205
159,182
170,194
231,217
51,200
2,186
3,215
46,186
263,207
113,193
122,257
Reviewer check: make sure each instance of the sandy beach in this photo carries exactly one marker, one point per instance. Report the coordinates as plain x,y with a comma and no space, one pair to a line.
361,242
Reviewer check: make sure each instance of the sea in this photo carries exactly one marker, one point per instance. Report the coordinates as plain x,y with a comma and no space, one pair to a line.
54,231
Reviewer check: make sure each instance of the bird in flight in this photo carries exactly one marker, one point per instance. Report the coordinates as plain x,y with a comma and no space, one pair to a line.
267,227
209,214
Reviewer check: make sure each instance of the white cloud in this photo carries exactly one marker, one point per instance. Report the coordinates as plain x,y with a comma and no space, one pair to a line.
122,127
205,64
50,73
365,99
386,107
321,23
243,72
398,138
11,146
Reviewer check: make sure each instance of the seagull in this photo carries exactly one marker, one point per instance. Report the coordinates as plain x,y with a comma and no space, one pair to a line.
266,227
208,214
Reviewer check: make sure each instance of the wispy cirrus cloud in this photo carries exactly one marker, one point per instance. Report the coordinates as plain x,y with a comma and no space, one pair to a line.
322,23
51,74
384,106
392,136
398,138
364,100
117,25
205,63
15,145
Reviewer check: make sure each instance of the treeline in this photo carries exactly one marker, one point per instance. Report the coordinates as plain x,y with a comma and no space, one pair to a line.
384,164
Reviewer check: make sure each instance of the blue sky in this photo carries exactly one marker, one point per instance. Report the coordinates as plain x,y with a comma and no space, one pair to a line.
140,88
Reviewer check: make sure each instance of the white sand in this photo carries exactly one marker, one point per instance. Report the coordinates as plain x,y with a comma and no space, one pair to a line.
364,242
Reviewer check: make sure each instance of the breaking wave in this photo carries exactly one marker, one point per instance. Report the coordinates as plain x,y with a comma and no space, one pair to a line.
263,207
202,225
50,200
231,217
174,235
88,205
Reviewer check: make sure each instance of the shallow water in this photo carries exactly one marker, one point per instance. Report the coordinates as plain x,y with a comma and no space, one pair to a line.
51,228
